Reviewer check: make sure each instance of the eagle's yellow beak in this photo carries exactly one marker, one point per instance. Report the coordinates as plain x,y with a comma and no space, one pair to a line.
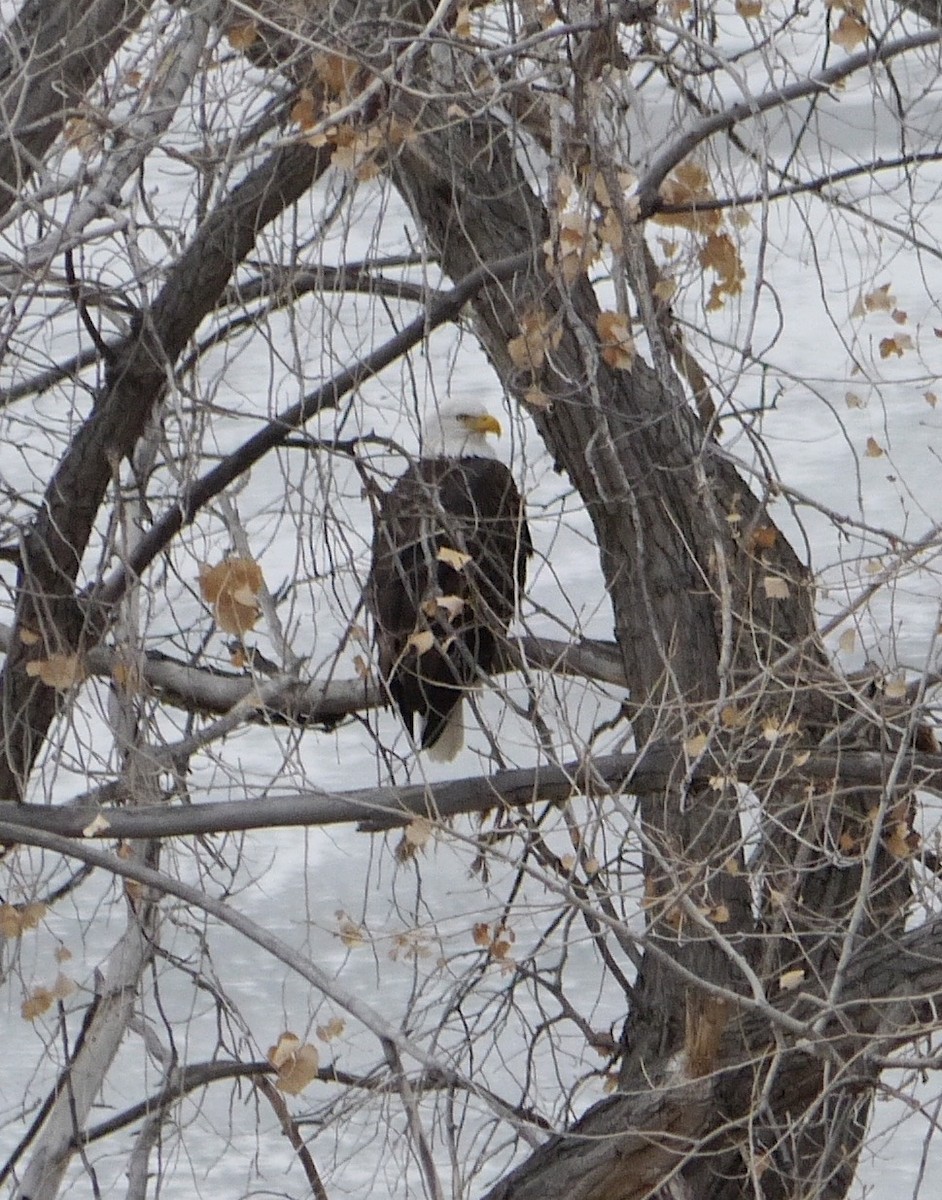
482,424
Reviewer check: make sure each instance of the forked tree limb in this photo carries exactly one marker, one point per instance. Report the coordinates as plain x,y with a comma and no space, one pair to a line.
54,543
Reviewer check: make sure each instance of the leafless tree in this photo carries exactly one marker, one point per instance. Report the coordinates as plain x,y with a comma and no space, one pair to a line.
676,925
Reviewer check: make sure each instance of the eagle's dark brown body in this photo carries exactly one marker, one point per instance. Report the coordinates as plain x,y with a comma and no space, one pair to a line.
430,652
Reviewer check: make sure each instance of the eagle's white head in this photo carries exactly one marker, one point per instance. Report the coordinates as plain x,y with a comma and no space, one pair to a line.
459,429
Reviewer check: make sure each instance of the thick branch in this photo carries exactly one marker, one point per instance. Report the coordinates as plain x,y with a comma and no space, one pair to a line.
54,51
375,809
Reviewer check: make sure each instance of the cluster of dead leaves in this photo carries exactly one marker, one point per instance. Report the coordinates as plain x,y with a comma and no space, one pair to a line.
41,999
498,941
676,915
539,334
897,833
358,146
16,919
617,342
689,188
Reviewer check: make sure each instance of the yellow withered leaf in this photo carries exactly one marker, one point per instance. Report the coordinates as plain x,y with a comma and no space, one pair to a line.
421,641
455,559
59,671
775,587
418,832
791,980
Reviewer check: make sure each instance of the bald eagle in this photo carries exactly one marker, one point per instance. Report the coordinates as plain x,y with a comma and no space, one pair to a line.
450,551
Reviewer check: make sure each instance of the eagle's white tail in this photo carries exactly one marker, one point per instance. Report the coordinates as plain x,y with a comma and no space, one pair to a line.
451,739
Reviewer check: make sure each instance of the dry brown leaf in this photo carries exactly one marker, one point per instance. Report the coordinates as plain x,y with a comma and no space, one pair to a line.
720,255
29,637
748,9
695,746
463,22
874,449
231,588
295,1063
538,399
11,921
852,400
618,345
895,345
850,32
333,1029
83,135
733,718
63,987
881,299
611,233
418,832
763,537
349,932
40,1000
59,671
242,35
931,399
848,641
528,351
899,316
304,111
337,73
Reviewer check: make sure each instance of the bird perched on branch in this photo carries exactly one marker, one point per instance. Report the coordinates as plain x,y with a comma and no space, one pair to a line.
450,550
